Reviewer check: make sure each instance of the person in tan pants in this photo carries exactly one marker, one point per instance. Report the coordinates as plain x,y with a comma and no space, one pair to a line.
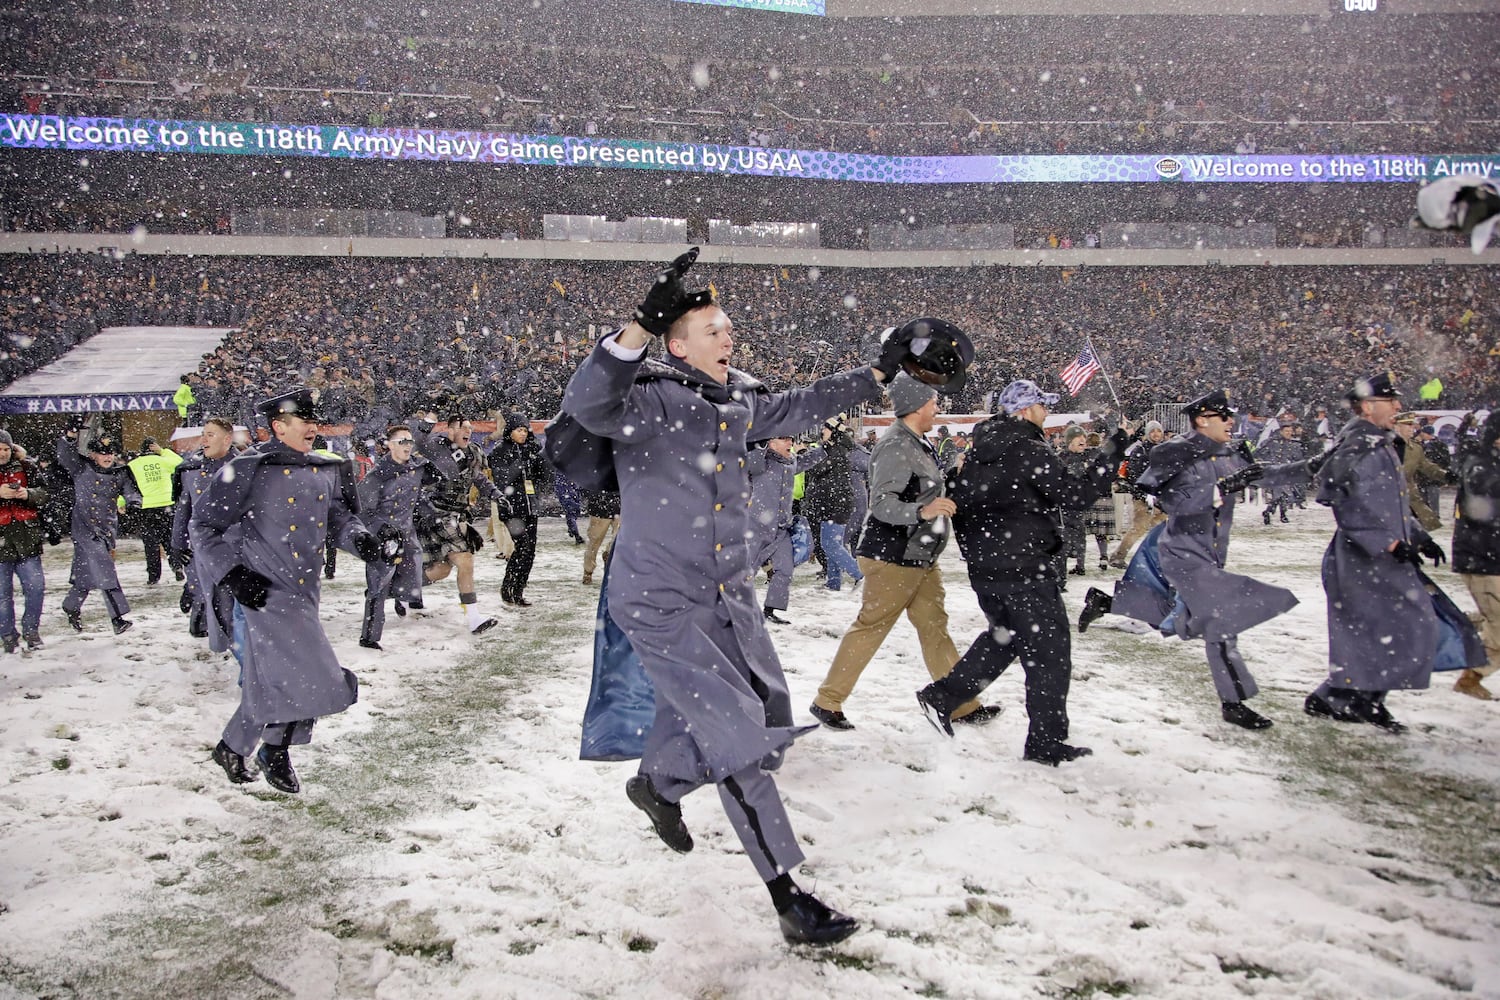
1143,516
905,532
1476,546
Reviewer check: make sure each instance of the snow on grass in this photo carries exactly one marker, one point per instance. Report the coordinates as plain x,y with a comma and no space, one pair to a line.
448,843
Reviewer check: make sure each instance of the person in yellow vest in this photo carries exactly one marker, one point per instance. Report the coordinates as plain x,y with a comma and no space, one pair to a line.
184,398
152,471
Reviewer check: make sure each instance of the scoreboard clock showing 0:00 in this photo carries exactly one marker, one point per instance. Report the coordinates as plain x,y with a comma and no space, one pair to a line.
1361,4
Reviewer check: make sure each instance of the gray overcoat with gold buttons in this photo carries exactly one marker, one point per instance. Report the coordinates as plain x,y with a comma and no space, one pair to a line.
1183,473
284,504
681,574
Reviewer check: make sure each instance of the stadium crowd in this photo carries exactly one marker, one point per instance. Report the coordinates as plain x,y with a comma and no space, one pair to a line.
943,86
383,338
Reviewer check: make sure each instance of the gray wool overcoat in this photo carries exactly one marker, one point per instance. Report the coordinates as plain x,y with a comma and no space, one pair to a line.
388,495
96,520
681,576
1183,472
1382,629
194,475
286,504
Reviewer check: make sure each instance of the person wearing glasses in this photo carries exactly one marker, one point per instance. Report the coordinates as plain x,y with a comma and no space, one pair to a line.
387,498
1197,478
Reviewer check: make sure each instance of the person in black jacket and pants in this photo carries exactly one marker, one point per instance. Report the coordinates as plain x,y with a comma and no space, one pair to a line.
515,466
1007,493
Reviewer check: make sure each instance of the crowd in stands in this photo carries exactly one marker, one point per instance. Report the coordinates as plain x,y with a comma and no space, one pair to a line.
669,72
383,338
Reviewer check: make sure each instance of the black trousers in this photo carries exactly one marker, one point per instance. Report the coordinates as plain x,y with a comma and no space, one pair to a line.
518,566
156,534
1031,625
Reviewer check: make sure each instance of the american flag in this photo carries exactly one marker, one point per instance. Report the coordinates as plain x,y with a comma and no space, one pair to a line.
1083,368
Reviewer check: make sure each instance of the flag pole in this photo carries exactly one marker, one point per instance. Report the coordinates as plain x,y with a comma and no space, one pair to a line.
1105,372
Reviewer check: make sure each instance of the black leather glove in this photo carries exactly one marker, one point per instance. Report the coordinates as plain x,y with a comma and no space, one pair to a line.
893,351
1433,551
366,546
475,540
1316,462
1237,481
248,587
1405,552
391,542
668,299
183,556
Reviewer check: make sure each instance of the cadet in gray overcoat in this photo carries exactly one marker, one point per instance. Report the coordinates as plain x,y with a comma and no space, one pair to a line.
287,501
1382,629
98,484
681,580
773,470
388,496
212,618
1196,477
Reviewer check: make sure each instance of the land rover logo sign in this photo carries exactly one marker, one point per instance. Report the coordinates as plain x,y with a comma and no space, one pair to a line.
1167,167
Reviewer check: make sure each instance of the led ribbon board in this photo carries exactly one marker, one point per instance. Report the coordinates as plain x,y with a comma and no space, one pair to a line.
146,135
779,6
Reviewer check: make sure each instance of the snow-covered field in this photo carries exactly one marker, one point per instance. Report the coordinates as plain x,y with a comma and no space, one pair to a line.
449,844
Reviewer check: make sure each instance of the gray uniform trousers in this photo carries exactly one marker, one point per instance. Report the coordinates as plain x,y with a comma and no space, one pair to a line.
750,798
777,550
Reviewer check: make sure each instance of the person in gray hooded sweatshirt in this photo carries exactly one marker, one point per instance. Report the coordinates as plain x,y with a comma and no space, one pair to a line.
681,578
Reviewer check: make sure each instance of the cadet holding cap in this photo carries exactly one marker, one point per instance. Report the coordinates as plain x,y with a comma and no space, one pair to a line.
680,582
1008,494
260,530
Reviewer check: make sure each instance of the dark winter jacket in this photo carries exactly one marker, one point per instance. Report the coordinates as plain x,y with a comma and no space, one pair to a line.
828,493
601,503
1009,493
1476,529
516,468
1136,458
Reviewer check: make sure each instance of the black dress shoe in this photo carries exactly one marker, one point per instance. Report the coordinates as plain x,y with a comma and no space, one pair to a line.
934,714
1376,714
1315,705
33,640
1285,519
666,817
12,643
75,619
1096,604
276,764
810,921
517,602
178,575
185,602
235,766
1076,571
1055,754
416,605
1265,516
1240,714
833,720
369,643
121,624
400,610
774,618
978,717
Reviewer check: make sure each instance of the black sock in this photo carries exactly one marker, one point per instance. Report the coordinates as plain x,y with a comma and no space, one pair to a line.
783,892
